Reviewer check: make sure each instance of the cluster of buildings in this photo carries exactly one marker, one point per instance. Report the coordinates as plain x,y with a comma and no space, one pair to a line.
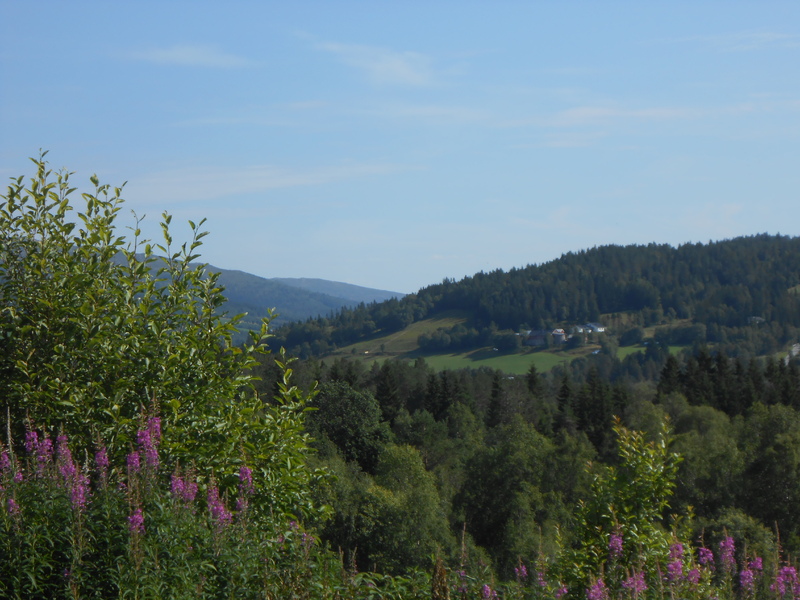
538,337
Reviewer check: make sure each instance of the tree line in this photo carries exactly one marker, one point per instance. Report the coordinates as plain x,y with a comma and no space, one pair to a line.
742,292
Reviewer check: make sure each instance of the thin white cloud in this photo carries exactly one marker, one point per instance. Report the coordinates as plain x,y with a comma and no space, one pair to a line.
596,114
436,112
747,40
189,55
382,65
210,183
572,139
273,115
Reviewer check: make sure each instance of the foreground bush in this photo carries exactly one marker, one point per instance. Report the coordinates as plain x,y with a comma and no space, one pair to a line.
97,330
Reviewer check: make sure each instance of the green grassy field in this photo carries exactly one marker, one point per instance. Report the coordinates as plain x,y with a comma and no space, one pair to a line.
402,345
514,363
405,341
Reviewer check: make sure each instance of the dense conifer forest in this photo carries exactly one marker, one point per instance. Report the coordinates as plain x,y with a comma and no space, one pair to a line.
723,288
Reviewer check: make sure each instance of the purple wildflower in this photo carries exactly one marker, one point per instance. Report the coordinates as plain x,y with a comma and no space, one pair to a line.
154,427
149,447
676,550
76,482
79,492
561,592
747,581
756,564
44,453
217,508
705,556
66,466
674,570
615,545
136,521
18,477
540,579
598,591
101,460
787,576
183,489
693,576
487,593
521,572
177,486
133,462
13,507
246,481
31,441
726,549
635,583
5,462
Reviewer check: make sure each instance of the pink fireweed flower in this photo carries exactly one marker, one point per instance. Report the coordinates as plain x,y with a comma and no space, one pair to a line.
787,578
31,441
13,507
79,492
540,579
177,486
18,477
676,550
561,592
101,461
635,583
66,466
674,570
726,549
756,564
246,481
44,454
598,591
521,572
747,581
136,521
615,546
183,489
143,438
487,593
133,462
5,462
154,427
148,447
219,513
705,556
693,576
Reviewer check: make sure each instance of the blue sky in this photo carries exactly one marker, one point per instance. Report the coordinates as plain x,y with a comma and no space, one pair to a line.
393,144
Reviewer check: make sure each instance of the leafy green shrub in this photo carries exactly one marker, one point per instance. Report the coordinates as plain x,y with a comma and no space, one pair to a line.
98,332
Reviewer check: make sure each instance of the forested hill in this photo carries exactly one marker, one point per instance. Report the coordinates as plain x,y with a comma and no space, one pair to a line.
722,286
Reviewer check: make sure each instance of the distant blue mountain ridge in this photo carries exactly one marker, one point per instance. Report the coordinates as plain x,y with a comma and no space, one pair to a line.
294,299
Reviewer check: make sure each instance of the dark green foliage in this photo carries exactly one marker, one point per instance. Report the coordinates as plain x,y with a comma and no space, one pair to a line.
736,292
351,420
